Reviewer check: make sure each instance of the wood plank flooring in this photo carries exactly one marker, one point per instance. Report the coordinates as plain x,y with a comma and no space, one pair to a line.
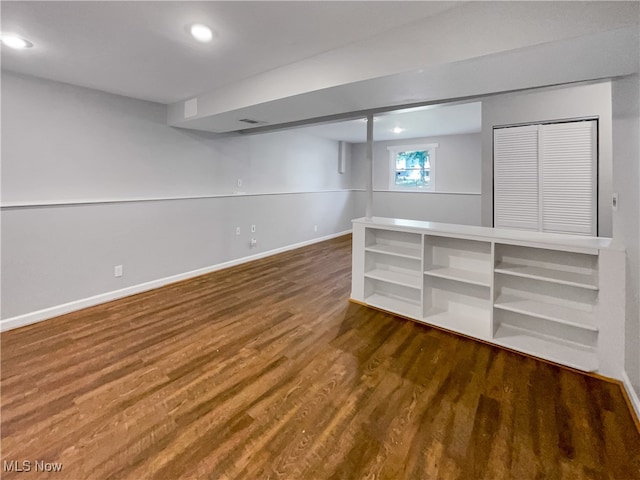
266,371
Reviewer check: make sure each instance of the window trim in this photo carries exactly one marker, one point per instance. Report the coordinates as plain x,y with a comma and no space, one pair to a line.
395,149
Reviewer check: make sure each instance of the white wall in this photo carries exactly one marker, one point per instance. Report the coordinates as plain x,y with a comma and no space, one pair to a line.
446,208
65,148
62,142
458,181
568,102
54,255
626,221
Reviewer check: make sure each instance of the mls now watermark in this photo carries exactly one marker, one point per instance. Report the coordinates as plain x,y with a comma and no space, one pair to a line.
29,466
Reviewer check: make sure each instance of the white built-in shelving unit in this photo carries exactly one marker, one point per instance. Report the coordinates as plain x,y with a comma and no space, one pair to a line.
540,294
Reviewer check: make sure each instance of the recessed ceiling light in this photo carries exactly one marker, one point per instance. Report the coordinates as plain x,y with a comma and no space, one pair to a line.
200,32
398,130
14,41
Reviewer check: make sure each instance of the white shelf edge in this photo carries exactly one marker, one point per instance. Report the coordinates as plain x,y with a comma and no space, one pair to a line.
519,339
532,313
384,251
402,279
458,275
506,271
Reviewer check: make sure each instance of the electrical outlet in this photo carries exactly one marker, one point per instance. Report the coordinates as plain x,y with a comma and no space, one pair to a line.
253,243
237,230
315,228
239,182
117,271
253,229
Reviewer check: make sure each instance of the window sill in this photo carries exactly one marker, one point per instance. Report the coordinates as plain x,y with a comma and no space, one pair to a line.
443,192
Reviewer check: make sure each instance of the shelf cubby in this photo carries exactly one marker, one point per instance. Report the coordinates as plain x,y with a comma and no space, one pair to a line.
568,305
398,244
399,270
461,260
393,297
546,311
562,268
565,332
457,306
556,342
395,277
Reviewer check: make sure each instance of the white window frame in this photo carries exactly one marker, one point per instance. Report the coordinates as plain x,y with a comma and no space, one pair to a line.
393,152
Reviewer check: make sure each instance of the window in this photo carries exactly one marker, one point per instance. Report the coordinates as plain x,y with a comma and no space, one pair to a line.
412,167
546,177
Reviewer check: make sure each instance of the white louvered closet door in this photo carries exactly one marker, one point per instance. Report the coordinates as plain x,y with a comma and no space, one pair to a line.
569,180
515,178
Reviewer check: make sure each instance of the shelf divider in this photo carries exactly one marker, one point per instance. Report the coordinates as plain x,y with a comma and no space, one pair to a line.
546,311
396,250
548,275
395,277
460,275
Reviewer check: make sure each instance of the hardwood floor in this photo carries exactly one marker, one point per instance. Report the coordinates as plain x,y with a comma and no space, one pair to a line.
266,371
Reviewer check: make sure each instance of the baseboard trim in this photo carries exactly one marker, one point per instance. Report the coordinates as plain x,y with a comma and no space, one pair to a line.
51,312
632,397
